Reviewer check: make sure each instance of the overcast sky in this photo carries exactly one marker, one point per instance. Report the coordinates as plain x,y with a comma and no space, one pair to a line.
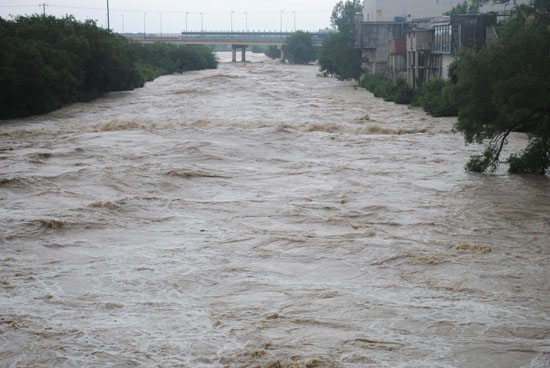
311,15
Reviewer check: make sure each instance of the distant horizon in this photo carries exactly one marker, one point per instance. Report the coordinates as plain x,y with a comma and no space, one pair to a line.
173,17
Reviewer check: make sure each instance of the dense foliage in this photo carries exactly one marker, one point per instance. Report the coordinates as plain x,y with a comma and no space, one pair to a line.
434,96
47,62
506,88
160,58
338,55
474,6
464,8
273,52
398,92
220,48
299,48
258,49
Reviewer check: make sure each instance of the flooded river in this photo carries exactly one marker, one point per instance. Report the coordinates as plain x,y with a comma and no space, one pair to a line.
260,216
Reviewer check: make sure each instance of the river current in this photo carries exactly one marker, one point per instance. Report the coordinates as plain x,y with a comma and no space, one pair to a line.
258,215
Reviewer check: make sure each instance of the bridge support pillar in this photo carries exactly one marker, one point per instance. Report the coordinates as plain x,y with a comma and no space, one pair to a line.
282,54
243,52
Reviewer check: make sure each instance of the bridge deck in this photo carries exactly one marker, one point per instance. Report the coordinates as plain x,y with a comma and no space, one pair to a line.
223,38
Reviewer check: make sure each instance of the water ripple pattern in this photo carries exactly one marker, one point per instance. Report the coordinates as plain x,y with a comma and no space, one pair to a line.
258,215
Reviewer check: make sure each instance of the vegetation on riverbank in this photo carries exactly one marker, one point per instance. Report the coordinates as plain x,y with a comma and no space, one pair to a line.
164,58
299,48
398,92
338,55
434,95
46,63
505,88
272,52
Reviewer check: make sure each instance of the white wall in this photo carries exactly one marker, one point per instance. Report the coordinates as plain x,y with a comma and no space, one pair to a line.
387,10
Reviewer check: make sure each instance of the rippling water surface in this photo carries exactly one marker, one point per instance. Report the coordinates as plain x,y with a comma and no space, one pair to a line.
259,215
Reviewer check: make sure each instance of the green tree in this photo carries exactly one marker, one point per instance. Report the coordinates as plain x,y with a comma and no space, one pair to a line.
464,8
258,49
473,6
299,48
273,52
338,55
434,96
47,62
506,88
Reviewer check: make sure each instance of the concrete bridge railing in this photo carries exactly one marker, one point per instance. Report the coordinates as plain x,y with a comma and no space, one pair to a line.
237,40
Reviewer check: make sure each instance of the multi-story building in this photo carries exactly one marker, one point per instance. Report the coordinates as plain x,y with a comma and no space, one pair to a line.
400,10
396,10
411,39
430,50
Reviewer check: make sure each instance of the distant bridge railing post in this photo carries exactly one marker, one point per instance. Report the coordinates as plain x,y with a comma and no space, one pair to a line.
261,38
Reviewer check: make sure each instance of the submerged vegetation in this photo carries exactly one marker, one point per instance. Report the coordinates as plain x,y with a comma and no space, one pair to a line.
46,62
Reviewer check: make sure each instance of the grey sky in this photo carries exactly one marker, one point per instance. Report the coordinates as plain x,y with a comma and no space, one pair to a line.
310,15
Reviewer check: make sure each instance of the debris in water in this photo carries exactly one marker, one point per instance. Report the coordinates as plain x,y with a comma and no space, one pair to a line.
52,224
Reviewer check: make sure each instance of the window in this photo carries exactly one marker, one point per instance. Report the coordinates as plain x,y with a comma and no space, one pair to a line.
443,38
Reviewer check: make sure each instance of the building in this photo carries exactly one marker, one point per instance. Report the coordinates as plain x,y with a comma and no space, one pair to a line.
431,50
401,10
412,40
395,10
379,40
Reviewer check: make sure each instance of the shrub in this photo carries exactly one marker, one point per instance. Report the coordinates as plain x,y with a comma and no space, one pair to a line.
434,96
273,52
535,159
398,92
401,92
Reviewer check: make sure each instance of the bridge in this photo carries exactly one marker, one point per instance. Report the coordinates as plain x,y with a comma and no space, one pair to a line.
237,40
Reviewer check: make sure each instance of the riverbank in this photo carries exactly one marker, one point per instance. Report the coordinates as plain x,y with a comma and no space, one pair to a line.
47,63
433,96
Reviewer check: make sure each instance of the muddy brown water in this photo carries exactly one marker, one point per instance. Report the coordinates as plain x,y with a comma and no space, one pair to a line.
259,215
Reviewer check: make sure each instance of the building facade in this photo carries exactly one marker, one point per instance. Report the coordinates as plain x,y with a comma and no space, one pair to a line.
376,40
402,10
418,43
396,10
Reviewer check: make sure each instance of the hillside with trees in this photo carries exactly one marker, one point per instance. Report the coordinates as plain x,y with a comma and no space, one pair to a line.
46,63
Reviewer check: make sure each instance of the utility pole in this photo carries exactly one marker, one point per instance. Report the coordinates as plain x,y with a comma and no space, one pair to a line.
43,8
160,14
246,20
108,17
282,21
202,23
186,14
122,23
294,20
232,20
144,33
